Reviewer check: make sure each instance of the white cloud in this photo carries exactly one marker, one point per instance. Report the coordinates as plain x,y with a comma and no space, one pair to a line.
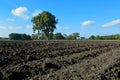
6,30
88,22
66,28
112,23
63,28
20,12
10,27
29,27
36,12
11,20
14,28
2,27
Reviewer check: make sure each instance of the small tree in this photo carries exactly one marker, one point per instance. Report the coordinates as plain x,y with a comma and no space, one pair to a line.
76,35
82,38
17,36
92,37
58,36
44,22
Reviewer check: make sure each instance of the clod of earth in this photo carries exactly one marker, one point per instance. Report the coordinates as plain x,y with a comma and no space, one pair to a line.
60,60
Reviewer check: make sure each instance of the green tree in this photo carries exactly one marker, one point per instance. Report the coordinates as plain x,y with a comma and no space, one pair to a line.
17,36
58,36
44,22
34,36
76,35
83,38
40,36
73,36
92,37
70,37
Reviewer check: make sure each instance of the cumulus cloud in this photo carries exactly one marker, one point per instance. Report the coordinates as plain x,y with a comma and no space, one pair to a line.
36,12
88,22
112,23
20,12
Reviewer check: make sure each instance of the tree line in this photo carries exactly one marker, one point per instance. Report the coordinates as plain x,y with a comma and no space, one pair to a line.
106,37
42,36
56,36
59,36
18,36
45,24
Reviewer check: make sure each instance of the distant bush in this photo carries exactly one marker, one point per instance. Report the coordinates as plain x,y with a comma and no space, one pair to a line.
107,37
2,38
58,36
17,36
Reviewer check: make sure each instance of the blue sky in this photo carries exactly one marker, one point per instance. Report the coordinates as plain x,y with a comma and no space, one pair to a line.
88,17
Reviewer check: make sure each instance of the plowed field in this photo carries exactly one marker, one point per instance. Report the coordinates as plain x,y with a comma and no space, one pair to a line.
60,60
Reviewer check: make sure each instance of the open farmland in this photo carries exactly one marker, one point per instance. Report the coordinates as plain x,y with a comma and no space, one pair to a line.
60,60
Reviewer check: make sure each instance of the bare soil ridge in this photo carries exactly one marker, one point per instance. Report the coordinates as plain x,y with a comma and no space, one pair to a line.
60,60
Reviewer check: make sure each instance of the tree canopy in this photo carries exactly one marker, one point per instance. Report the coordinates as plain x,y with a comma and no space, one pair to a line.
107,37
58,36
44,22
17,36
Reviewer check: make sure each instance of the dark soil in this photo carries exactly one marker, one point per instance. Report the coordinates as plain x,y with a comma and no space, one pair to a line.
60,60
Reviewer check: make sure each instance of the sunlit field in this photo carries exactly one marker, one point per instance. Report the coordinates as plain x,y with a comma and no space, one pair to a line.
59,60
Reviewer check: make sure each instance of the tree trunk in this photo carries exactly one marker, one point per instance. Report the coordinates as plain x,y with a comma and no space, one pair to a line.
48,36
